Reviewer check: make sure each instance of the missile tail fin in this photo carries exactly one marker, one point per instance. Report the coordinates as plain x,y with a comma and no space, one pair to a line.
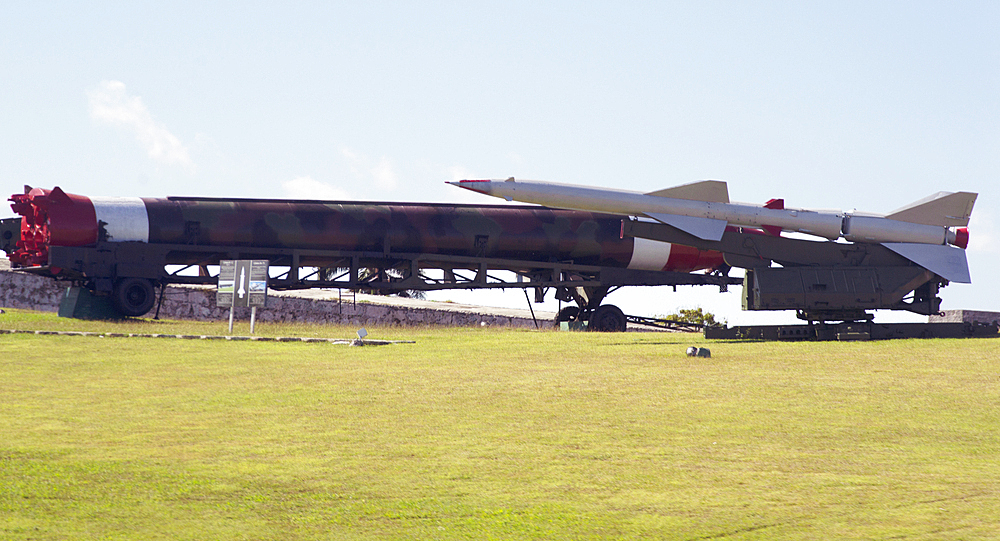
946,209
712,191
947,262
703,228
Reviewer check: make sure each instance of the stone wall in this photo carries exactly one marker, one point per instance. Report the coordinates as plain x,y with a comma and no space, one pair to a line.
20,290
199,303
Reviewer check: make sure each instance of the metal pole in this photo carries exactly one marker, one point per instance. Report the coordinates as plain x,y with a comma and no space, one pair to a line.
253,317
163,286
529,307
230,320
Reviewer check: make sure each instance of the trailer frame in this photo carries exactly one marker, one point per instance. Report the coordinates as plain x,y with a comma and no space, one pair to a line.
128,272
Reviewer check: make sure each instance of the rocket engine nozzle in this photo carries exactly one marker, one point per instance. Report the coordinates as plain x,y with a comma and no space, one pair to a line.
49,216
959,237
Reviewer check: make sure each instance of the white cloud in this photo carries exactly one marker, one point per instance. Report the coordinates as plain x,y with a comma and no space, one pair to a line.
382,173
111,104
385,175
309,188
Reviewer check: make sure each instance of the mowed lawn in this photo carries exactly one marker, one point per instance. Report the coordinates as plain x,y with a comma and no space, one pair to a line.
493,434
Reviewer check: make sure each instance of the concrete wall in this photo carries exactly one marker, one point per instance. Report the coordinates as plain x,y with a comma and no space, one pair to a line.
966,316
19,290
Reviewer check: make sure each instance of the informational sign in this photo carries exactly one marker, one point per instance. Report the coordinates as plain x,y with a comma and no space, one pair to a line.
242,282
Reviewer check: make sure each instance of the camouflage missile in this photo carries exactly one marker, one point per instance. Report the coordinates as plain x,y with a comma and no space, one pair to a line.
531,233
930,232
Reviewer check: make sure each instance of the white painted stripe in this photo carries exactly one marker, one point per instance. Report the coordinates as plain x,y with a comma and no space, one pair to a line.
125,217
649,255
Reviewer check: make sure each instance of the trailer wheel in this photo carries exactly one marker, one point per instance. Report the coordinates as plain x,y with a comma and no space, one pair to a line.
607,318
133,297
569,313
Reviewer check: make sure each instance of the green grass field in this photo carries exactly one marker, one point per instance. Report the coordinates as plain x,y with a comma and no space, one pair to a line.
492,434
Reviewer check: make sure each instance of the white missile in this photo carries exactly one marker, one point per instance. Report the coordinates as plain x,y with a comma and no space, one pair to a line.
924,232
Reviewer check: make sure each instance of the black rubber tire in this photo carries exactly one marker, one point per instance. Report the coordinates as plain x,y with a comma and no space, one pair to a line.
607,318
133,297
569,313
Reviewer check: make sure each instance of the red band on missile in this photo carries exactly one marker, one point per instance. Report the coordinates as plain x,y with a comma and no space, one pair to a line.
688,259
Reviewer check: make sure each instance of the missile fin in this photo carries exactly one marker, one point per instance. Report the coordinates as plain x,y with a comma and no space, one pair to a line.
947,262
712,191
703,228
57,195
946,209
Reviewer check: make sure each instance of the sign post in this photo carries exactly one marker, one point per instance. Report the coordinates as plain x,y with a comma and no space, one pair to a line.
242,282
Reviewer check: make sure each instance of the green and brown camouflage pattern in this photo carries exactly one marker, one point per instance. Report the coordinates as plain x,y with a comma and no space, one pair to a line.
511,232
496,231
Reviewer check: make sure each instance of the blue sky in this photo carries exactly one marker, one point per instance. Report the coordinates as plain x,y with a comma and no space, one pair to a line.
836,105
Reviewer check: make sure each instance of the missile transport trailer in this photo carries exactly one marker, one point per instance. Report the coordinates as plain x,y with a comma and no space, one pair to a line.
125,248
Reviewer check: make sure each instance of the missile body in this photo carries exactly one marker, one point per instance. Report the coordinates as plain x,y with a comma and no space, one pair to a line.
923,231
55,218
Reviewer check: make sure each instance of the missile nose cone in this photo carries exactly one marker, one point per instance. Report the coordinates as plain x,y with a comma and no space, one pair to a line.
481,186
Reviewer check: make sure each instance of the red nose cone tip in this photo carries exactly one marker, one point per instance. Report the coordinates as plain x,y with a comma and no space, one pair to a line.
962,237
470,185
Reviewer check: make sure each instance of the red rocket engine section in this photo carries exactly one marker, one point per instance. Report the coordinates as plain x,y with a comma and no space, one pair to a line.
51,217
55,218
